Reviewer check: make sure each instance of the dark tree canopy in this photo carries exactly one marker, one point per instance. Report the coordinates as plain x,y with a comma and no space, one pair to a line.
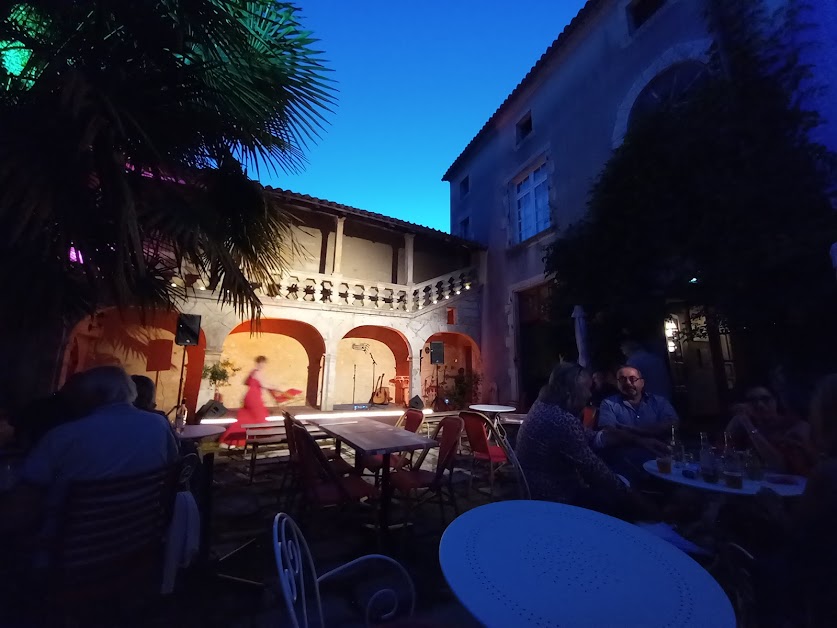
718,198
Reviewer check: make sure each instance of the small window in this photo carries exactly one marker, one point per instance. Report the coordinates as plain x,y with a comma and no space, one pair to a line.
524,127
465,228
451,316
464,187
640,11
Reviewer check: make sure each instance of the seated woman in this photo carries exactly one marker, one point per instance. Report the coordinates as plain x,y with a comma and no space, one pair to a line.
557,453
782,441
797,577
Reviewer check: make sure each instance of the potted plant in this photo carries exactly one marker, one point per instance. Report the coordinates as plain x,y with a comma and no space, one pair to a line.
219,374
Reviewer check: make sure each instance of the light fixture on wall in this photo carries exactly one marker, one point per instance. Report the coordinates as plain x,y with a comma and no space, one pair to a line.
671,333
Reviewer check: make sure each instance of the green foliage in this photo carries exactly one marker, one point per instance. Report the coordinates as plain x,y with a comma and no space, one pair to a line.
724,187
219,374
128,127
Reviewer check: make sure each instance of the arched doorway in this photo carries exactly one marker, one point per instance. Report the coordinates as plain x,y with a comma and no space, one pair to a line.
364,355
458,378
143,344
294,352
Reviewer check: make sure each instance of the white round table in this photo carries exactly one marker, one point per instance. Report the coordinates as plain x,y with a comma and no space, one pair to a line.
197,432
750,487
491,409
532,563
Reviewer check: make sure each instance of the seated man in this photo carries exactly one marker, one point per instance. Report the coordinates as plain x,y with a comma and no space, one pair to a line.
558,454
635,410
113,439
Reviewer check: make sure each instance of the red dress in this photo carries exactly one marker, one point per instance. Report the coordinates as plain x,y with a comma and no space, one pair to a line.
253,411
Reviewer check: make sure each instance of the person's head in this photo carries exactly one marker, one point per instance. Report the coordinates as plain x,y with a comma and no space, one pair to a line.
568,387
761,403
461,371
630,383
100,386
602,379
146,392
824,415
261,362
629,346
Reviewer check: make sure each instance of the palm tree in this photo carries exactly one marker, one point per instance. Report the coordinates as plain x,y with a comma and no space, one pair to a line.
127,131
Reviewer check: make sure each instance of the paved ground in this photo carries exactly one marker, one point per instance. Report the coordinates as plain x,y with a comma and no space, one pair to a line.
243,511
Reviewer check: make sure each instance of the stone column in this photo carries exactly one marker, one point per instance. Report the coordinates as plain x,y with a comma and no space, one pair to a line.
338,245
409,256
415,376
329,380
207,391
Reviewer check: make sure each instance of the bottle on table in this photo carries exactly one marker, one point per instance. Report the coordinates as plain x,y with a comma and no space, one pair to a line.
180,416
676,445
708,460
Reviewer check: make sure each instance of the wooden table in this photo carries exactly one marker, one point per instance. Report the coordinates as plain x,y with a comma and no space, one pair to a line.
370,437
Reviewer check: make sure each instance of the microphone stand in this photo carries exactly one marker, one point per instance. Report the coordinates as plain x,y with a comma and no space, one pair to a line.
373,375
354,381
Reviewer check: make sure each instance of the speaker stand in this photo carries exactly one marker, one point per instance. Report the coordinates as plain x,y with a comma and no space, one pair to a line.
180,384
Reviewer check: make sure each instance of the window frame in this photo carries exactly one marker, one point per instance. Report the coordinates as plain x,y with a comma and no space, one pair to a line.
525,119
633,27
516,222
464,182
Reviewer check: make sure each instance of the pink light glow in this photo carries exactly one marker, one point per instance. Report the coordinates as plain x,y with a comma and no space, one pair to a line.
75,256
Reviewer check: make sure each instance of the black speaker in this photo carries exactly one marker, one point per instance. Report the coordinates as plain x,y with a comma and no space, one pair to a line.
416,403
188,330
437,352
211,410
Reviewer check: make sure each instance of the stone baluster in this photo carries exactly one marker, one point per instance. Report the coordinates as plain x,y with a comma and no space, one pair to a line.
318,290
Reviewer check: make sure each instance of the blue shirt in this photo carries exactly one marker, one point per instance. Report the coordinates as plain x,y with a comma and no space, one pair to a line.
652,410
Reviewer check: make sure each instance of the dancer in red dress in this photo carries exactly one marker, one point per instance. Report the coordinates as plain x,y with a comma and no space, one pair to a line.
253,409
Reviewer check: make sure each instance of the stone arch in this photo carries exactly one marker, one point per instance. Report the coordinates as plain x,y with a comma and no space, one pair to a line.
300,342
136,340
461,351
354,354
696,50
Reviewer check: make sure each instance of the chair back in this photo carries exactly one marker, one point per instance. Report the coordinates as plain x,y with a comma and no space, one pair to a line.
447,435
314,466
289,434
111,536
413,419
475,429
523,491
300,585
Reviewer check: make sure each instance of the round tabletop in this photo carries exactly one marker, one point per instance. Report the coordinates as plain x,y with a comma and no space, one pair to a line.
574,567
750,487
481,407
197,432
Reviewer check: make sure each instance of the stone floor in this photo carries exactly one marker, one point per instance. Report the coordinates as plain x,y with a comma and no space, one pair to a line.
243,511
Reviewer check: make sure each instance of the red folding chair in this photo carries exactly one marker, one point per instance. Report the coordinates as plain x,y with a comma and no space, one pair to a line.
419,486
321,484
476,426
412,420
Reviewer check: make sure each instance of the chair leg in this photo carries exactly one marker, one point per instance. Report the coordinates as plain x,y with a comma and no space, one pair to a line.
252,460
440,496
491,480
452,496
471,476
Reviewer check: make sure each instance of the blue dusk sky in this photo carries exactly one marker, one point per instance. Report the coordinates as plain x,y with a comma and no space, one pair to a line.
416,82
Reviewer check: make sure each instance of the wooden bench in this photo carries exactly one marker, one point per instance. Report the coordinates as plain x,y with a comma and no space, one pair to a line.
270,435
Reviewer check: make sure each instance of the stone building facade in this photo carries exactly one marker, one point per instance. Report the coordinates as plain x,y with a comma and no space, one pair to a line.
363,297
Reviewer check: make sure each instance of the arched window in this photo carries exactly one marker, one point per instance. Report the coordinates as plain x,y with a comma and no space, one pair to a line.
668,88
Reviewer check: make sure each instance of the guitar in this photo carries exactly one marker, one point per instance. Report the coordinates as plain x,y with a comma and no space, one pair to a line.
380,395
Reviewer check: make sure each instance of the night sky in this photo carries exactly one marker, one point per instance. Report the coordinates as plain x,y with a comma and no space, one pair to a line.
416,82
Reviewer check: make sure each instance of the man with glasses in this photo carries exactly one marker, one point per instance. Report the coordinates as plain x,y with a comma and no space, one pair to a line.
636,410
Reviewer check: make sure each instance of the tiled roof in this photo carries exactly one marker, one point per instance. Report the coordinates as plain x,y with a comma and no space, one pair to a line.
556,46
318,204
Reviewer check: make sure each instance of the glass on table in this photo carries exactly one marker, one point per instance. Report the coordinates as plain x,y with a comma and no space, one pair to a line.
664,464
734,470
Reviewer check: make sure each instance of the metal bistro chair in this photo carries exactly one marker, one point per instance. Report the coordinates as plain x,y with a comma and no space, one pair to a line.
411,421
477,428
432,483
110,540
299,582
